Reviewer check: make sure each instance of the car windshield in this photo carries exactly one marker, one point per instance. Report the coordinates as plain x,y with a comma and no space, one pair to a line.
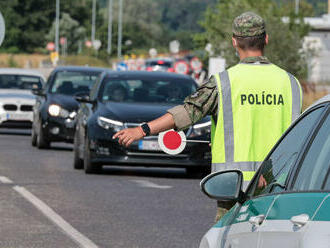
20,82
155,90
73,83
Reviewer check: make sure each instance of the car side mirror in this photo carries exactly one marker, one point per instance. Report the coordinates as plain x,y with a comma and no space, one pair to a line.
223,185
38,92
84,98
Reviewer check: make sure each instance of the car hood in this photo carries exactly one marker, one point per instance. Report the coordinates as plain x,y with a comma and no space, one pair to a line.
134,112
67,102
16,94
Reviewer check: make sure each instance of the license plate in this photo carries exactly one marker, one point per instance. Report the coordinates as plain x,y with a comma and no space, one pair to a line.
149,145
16,116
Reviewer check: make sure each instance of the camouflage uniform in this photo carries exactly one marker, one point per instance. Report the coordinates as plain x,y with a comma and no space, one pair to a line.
205,100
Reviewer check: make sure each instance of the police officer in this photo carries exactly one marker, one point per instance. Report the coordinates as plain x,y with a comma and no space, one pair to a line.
251,104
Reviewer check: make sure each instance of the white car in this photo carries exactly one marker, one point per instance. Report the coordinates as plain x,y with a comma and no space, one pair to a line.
16,98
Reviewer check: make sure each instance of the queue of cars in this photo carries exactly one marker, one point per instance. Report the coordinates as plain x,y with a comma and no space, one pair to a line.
86,106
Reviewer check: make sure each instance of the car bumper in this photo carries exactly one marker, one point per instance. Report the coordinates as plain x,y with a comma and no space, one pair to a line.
59,129
110,152
16,119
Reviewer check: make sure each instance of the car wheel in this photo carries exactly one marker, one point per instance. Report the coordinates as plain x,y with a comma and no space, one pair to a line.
89,166
42,141
78,163
33,136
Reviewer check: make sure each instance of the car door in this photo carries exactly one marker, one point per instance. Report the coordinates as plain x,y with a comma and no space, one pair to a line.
295,217
267,186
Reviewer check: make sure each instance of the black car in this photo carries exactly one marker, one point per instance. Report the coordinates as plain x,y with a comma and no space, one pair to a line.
127,99
56,107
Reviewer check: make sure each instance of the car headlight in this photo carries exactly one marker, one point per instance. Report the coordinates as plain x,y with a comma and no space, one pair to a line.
57,111
201,129
110,124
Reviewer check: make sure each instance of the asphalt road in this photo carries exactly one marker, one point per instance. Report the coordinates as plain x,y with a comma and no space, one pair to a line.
44,202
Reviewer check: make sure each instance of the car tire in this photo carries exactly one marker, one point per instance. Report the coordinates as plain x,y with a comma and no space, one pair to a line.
33,136
89,166
42,142
78,163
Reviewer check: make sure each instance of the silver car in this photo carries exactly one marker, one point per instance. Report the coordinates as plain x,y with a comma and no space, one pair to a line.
16,98
287,203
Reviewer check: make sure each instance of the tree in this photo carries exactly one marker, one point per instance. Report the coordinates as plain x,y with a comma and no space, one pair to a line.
285,39
71,30
26,23
29,21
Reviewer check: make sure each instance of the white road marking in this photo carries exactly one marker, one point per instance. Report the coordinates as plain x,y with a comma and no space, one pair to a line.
56,219
147,184
5,180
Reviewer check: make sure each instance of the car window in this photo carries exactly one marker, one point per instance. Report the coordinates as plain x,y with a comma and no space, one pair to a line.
316,163
275,169
72,83
155,90
24,82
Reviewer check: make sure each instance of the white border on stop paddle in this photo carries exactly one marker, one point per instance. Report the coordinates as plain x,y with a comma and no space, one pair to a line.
172,151
181,67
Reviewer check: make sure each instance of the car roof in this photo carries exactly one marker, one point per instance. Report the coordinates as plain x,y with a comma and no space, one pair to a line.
19,71
148,74
81,68
320,101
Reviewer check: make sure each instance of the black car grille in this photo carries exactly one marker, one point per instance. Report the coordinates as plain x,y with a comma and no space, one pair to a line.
10,107
27,108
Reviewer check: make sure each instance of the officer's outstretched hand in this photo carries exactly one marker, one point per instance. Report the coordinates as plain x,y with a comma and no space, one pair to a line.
127,136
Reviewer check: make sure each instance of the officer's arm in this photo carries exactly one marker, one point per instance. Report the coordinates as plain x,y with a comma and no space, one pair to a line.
202,103
196,106
127,136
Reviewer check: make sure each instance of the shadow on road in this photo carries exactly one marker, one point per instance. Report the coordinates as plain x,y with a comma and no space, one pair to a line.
14,131
61,147
150,172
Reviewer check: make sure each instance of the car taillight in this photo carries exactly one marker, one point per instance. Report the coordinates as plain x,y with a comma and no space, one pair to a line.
170,70
149,68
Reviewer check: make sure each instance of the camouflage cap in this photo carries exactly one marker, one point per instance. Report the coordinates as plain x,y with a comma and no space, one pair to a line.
248,24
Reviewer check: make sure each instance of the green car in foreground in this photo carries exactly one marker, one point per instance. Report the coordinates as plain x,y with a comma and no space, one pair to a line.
287,203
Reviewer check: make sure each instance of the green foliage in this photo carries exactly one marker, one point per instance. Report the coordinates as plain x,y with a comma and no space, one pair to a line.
71,30
285,39
319,6
29,21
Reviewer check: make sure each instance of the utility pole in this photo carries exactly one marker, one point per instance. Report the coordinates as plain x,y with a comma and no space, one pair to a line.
296,10
57,26
93,21
329,7
120,24
110,26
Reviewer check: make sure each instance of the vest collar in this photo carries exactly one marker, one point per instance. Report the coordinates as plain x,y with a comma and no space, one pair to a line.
255,60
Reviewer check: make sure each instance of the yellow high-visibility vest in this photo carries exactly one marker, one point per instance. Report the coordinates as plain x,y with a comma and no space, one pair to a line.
257,103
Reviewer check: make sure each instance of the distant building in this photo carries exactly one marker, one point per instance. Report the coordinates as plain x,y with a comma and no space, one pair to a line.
319,39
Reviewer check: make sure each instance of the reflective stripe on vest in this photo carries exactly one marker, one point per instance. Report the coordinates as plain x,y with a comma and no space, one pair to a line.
252,148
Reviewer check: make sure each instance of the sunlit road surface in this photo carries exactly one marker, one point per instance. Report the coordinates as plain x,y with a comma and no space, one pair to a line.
44,202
